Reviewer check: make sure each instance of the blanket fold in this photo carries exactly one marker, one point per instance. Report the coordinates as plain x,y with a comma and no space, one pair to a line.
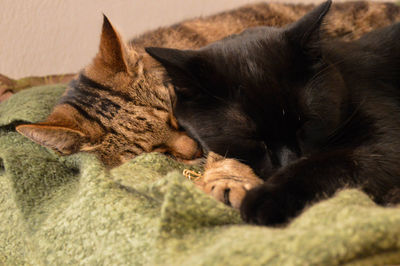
71,210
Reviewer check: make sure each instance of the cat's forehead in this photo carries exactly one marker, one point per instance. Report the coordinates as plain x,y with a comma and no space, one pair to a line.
254,56
261,31
252,45
256,37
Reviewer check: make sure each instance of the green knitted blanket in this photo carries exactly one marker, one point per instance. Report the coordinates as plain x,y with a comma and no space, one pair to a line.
70,210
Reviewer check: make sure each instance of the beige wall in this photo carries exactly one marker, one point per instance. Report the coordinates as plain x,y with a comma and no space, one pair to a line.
41,37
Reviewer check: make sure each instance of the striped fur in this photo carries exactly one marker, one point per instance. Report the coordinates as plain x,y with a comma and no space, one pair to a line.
121,105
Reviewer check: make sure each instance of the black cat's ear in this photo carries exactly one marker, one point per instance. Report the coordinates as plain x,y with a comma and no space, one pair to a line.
305,32
182,66
171,58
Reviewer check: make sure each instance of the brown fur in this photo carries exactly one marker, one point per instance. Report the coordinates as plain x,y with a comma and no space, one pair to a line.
121,105
227,180
114,124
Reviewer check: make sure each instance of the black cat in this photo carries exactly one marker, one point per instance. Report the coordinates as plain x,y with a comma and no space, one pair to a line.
309,116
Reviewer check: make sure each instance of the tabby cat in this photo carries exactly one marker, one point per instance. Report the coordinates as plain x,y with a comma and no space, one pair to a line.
310,116
120,106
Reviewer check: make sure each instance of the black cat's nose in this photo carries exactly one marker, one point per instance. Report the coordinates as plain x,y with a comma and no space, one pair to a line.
286,156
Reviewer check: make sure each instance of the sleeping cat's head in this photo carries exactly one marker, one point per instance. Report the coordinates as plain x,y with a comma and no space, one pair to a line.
116,108
257,96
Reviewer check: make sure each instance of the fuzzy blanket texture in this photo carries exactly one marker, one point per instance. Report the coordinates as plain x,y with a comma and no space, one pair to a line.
71,210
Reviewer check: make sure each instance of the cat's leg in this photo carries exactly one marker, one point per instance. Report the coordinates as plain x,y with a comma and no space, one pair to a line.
392,197
289,191
227,180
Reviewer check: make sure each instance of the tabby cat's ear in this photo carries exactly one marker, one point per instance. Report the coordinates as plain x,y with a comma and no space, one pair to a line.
112,52
59,138
183,66
306,31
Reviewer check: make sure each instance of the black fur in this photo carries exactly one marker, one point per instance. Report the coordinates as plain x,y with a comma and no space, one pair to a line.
310,117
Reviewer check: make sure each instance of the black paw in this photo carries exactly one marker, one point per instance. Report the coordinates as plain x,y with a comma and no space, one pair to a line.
266,205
